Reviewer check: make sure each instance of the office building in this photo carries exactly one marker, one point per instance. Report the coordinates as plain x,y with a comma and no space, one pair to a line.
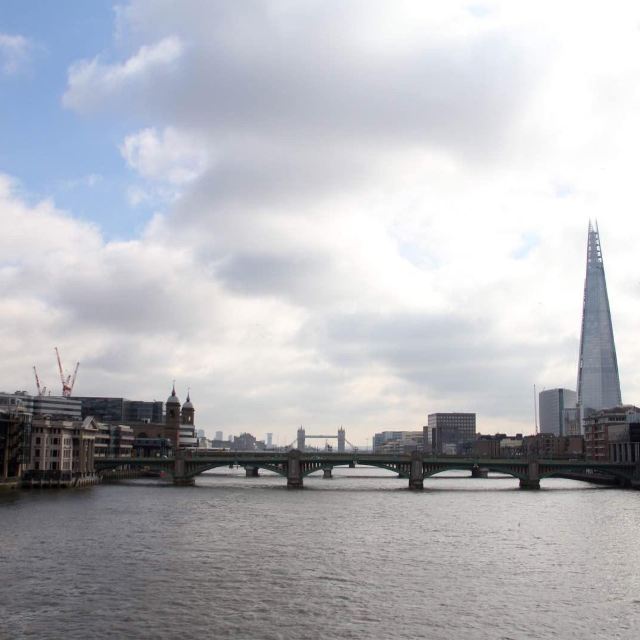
397,442
55,406
452,433
602,428
551,404
598,379
106,409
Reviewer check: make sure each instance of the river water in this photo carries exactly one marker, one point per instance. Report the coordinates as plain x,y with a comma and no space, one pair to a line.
357,556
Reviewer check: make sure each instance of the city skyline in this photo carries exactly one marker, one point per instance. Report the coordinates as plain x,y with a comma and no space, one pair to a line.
341,216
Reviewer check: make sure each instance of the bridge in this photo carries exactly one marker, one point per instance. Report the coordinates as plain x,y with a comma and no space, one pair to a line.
294,465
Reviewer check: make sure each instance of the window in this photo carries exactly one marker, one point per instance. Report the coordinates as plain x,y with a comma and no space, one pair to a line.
37,440
54,453
37,453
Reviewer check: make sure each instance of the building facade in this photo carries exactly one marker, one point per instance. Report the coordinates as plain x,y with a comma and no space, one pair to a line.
62,450
15,441
452,433
598,378
45,405
605,427
107,409
551,409
398,442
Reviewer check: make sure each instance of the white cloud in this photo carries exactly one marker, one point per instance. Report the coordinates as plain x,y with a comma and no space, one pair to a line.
92,82
14,52
169,156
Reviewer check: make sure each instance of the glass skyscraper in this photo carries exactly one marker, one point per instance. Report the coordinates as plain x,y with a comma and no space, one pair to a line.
598,379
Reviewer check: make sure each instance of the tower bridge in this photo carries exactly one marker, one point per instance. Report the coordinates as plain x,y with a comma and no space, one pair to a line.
294,465
302,436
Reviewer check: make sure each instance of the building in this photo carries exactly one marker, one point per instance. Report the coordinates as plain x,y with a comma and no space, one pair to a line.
624,441
608,426
188,437
551,446
15,441
149,433
244,442
499,445
219,435
113,441
551,406
571,425
598,378
452,433
398,442
121,410
62,451
45,405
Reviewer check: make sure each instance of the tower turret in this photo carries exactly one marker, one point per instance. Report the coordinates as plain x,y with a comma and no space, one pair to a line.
188,412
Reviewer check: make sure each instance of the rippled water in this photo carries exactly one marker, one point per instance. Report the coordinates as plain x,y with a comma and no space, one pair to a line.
358,556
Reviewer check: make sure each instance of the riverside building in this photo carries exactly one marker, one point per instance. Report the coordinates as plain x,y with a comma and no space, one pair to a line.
598,378
452,433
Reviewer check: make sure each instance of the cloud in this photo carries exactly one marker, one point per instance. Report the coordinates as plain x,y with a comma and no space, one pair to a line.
14,52
369,211
169,156
91,81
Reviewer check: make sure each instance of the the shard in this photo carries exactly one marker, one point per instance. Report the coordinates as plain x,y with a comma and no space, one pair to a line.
598,379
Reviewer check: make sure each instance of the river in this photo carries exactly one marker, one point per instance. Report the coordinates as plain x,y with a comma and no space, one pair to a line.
357,556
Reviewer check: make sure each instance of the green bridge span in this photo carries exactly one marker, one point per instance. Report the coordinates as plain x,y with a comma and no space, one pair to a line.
294,465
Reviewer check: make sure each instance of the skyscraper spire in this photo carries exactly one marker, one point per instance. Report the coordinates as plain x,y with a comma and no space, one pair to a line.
598,379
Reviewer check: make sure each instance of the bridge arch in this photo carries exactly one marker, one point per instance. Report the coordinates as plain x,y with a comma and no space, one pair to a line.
196,470
396,469
514,472
626,478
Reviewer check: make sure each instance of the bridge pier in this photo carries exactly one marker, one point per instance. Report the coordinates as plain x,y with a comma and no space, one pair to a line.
251,472
180,478
327,473
294,470
183,481
532,481
479,472
416,472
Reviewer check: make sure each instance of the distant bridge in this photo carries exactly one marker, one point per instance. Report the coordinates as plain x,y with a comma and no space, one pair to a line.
294,465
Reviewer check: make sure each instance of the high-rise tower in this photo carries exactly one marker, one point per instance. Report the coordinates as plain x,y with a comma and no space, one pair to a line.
598,379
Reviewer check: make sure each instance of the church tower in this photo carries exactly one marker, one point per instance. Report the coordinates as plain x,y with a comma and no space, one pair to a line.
172,418
188,412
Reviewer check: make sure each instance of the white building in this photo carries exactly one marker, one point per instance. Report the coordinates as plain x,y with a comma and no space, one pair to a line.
552,404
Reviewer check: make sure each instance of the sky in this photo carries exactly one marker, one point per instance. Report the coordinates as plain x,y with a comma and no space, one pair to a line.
316,213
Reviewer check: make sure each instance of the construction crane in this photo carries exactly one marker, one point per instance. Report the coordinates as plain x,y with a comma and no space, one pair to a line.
70,380
42,390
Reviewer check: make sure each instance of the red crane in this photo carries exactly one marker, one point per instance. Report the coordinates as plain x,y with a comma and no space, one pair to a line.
69,381
42,390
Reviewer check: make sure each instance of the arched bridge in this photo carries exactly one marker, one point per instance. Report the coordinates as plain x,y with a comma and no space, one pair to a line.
295,465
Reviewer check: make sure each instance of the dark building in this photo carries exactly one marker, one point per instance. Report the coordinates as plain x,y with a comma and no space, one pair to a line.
121,409
15,441
624,442
551,446
452,433
244,442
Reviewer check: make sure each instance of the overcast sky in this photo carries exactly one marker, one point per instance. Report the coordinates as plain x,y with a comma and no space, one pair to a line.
322,213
